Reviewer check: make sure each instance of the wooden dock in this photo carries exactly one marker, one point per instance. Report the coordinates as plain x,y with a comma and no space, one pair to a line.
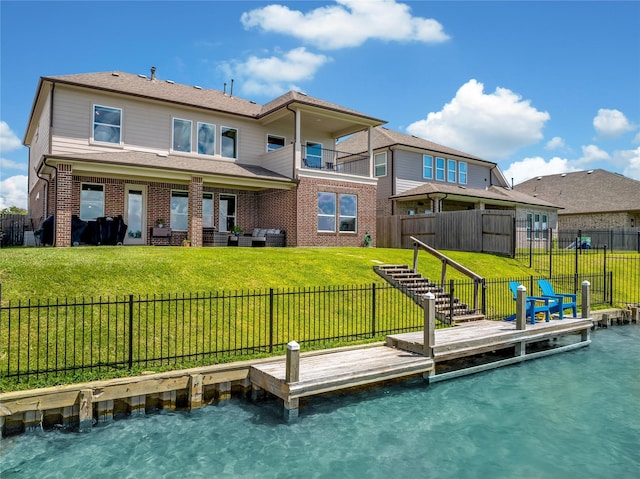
405,355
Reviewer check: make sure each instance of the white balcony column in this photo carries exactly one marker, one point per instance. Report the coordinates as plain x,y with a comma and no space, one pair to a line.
371,166
298,147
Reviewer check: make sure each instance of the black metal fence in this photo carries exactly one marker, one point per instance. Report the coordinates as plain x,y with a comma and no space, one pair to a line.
39,338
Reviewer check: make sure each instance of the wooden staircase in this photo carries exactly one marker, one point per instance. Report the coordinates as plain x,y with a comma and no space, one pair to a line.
416,286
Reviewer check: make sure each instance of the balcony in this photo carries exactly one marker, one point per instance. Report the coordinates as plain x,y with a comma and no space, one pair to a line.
315,158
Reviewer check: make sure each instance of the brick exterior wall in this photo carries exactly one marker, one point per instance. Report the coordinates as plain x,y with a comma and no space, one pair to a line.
64,197
195,211
277,209
38,202
307,207
599,221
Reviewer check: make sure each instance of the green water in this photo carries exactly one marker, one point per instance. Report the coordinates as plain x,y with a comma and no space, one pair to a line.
573,415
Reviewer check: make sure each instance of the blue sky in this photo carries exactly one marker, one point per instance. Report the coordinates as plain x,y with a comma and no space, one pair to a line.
538,87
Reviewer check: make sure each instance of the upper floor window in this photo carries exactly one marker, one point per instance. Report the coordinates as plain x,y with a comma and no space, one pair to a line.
380,164
275,142
181,135
179,210
229,143
107,124
327,212
462,172
91,201
452,174
427,167
439,168
207,210
348,212
206,139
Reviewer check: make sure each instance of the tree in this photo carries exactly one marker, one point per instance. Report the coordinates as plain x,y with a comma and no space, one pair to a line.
13,210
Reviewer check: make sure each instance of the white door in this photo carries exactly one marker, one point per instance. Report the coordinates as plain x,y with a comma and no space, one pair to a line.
135,217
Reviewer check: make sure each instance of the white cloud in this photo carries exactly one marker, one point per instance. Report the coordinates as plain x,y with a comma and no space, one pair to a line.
636,139
611,123
275,75
8,139
537,166
492,126
13,192
592,154
350,23
6,164
555,143
631,161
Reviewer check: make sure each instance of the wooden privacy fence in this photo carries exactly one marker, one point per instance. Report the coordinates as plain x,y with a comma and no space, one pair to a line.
483,231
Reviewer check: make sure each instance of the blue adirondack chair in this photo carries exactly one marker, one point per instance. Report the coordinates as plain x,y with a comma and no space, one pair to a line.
559,302
535,304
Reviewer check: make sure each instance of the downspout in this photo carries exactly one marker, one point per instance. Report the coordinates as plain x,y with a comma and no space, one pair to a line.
393,182
55,201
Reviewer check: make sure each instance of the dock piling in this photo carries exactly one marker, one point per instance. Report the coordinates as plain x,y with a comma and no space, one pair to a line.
429,306
292,374
521,308
586,299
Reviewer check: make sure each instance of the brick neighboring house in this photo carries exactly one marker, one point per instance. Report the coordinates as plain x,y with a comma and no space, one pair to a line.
594,199
112,143
417,176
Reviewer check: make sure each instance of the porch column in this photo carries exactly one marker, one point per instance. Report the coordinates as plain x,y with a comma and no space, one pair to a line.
298,146
371,165
195,211
64,200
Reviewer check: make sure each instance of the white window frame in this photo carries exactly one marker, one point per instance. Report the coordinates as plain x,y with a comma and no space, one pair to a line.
355,217
462,177
377,164
284,142
198,125
173,133
93,127
327,215
427,167
439,169
234,216
452,171
174,216
91,218
211,219
223,130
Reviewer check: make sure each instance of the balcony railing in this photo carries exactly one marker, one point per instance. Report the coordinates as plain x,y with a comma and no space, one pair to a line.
338,161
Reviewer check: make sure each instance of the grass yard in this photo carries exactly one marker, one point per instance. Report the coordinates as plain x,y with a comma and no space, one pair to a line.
41,273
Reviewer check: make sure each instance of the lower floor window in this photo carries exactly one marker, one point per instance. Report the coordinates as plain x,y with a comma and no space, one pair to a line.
341,209
91,201
179,210
207,210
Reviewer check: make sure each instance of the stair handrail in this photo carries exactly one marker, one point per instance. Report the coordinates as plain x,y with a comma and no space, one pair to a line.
477,279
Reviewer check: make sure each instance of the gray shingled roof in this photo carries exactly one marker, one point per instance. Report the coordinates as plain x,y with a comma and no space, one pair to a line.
492,193
384,138
165,90
582,192
179,163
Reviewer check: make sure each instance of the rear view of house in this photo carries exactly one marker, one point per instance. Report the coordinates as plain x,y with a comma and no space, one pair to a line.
140,151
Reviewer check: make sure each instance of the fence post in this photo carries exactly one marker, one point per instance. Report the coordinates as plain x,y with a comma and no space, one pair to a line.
611,288
521,308
429,338
550,236
586,299
373,309
484,296
451,293
270,320
604,275
130,331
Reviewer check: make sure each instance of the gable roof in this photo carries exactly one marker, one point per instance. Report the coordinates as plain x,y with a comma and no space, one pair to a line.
495,193
593,191
385,138
196,96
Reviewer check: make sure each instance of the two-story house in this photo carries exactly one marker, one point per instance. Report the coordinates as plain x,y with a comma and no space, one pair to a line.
417,176
113,144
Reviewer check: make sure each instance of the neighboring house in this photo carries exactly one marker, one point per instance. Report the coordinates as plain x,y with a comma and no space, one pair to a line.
417,176
116,144
594,199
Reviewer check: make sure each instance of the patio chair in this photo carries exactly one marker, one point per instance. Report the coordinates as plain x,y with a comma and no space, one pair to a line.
559,301
533,304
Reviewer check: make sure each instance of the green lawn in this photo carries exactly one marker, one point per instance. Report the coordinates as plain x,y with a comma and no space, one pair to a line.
40,273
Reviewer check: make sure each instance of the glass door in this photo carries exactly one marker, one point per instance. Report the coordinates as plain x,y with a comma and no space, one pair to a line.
227,213
135,218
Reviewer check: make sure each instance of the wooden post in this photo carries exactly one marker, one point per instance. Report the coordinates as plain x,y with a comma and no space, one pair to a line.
196,389
586,299
86,410
634,314
292,374
521,308
415,257
429,306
